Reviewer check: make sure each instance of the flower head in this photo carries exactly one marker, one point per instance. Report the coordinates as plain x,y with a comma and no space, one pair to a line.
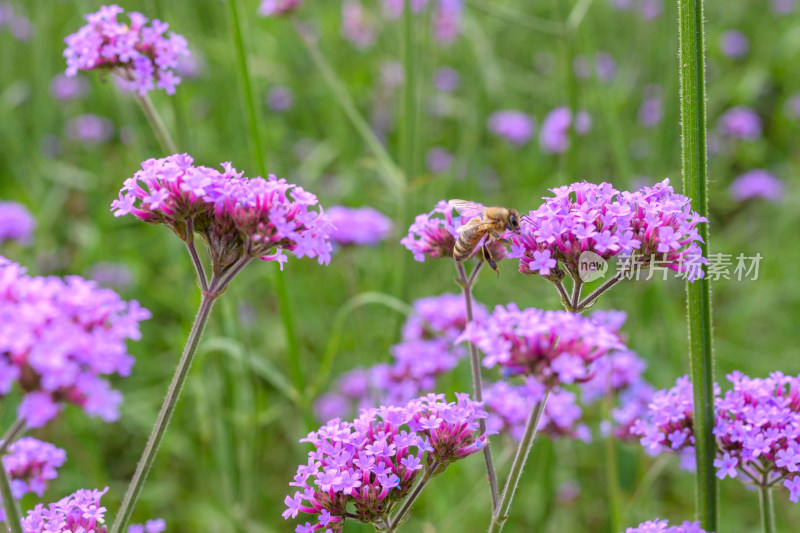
16,223
514,126
662,526
584,217
270,8
734,43
78,512
141,51
554,346
554,133
373,461
235,215
356,26
434,234
30,464
362,226
58,337
90,129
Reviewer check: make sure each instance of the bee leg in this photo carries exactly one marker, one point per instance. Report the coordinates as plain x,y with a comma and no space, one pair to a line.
498,238
487,256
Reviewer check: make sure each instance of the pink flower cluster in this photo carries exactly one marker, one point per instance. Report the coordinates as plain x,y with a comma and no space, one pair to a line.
141,52
662,526
30,464
79,512
509,406
556,347
427,350
359,469
16,223
757,428
58,337
434,234
654,222
234,214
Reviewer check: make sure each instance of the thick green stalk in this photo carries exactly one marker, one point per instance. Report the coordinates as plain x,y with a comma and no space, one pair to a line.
164,415
10,505
500,514
767,510
698,294
154,119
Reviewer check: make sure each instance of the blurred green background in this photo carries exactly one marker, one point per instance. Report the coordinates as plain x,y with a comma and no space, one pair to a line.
232,447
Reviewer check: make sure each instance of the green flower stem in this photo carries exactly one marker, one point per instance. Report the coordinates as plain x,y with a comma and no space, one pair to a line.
612,474
202,281
402,513
10,504
466,284
408,119
518,18
500,514
11,435
698,294
167,408
154,119
767,510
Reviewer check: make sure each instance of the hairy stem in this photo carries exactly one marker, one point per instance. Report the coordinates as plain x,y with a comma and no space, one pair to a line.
767,510
164,415
10,504
192,249
11,435
500,514
698,294
400,516
595,294
477,383
154,119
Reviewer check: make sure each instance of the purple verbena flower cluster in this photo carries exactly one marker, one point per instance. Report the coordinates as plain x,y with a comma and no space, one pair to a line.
370,463
364,226
554,133
556,347
16,223
80,512
435,236
30,464
509,406
235,215
356,25
651,222
756,183
58,337
662,526
141,52
740,123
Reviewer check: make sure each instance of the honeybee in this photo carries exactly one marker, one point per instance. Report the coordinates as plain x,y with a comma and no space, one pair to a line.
489,222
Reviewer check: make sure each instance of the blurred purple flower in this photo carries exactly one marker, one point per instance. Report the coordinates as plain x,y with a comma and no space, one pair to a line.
363,226
280,99
605,66
446,79
740,123
447,20
734,43
356,28
90,128
143,55
650,9
582,67
784,7
392,74
191,65
652,108
793,106
514,126
438,160
64,88
554,133
111,275
58,338
269,8
16,223
756,183
19,25
151,526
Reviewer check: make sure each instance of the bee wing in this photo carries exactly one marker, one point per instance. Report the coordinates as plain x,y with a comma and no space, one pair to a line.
467,209
471,224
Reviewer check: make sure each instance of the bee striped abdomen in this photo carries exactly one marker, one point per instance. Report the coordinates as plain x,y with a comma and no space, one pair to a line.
466,243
